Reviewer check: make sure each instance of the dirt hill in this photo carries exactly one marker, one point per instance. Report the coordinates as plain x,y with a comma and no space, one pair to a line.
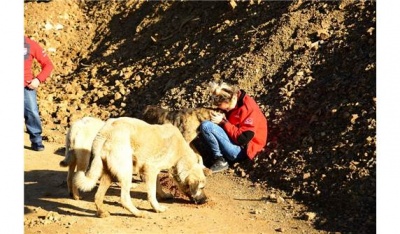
311,65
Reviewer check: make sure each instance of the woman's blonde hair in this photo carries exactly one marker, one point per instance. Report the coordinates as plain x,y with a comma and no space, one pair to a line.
221,92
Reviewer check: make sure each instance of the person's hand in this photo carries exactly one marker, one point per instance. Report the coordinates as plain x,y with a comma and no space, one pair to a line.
34,84
217,117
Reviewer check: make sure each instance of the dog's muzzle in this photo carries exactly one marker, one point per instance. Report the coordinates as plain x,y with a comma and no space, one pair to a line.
201,199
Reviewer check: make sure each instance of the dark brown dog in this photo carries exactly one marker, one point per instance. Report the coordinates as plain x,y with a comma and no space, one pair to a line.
186,120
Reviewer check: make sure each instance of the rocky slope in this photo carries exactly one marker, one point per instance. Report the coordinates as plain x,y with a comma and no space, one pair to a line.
311,65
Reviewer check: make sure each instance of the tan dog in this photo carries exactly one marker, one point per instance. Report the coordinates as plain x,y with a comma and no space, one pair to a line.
187,120
150,148
78,148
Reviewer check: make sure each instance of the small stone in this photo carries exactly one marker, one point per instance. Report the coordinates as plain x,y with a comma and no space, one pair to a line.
309,216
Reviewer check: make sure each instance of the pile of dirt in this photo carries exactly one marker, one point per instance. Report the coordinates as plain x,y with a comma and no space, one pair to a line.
311,65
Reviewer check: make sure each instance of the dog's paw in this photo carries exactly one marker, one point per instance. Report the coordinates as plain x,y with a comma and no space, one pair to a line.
103,214
75,196
161,209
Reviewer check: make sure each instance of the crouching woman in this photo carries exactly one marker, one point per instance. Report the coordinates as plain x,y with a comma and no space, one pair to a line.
239,131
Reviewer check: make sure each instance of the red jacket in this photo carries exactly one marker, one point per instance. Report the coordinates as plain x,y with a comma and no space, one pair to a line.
32,50
247,125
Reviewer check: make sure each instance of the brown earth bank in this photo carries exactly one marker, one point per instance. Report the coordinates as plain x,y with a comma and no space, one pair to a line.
311,65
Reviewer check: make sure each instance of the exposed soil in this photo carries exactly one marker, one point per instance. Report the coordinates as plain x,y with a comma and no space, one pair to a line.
311,65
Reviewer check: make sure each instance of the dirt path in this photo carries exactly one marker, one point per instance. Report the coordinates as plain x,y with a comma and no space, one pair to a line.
235,206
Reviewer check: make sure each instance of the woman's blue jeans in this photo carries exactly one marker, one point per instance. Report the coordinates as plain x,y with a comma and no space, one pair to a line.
219,142
32,119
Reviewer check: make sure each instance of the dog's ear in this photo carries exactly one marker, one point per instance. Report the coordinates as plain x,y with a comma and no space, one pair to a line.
195,184
207,172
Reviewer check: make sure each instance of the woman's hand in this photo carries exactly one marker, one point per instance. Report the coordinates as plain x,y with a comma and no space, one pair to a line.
34,84
217,117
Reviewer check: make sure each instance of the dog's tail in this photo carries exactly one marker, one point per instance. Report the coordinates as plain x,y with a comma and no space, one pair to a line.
87,182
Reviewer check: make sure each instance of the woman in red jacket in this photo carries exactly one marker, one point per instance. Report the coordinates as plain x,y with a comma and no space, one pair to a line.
32,51
239,132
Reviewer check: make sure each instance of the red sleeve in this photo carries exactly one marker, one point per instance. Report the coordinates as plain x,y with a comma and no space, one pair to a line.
245,122
44,61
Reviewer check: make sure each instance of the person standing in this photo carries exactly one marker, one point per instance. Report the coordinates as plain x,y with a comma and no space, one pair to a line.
239,132
33,51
